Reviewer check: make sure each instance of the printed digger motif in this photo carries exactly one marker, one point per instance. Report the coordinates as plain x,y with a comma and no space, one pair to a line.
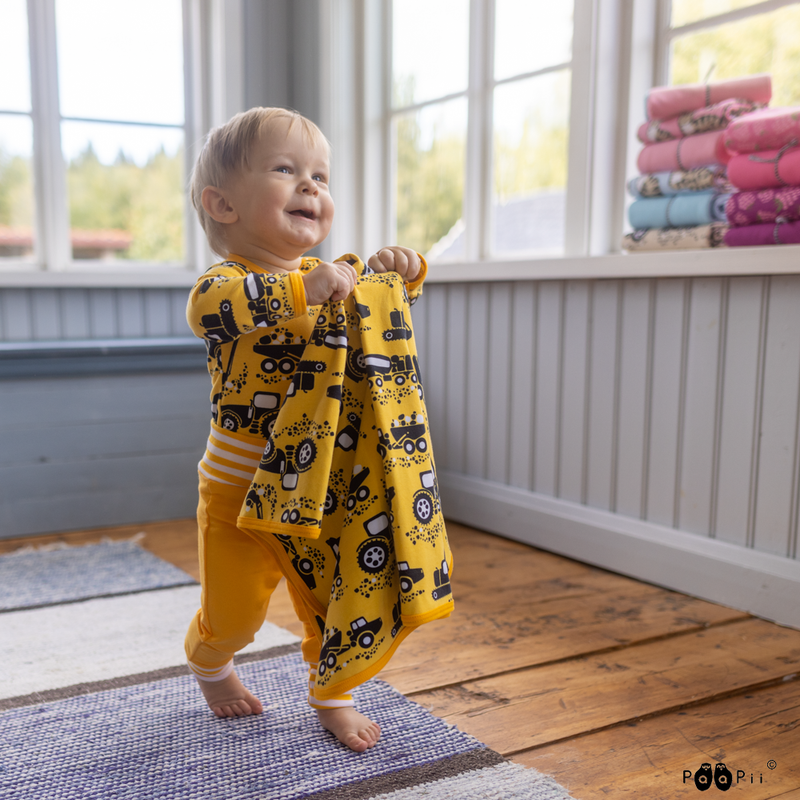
346,491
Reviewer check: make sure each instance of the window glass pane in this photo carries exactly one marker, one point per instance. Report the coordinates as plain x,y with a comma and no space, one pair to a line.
126,191
430,48
686,11
531,135
430,148
531,35
764,43
15,94
16,187
121,60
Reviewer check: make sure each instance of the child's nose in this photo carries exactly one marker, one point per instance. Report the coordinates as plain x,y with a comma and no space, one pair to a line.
309,186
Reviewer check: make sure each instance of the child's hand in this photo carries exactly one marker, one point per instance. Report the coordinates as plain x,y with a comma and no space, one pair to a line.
329,282
397,259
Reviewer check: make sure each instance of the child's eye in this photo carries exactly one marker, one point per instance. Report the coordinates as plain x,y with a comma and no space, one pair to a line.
320,178
283,169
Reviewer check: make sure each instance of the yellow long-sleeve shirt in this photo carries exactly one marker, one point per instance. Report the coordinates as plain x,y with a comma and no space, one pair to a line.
256,325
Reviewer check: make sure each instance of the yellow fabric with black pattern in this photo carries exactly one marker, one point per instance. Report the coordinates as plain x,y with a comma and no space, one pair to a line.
346,492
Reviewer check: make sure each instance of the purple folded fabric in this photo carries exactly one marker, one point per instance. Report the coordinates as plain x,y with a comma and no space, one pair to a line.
757,235
767,205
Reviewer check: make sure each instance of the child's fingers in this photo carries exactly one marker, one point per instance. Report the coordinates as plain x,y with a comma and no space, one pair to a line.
376,263
400,261
345,280
414,266
348,273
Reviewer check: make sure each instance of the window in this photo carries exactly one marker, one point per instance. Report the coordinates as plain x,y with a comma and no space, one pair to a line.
93,134
710,40
504,131
480,131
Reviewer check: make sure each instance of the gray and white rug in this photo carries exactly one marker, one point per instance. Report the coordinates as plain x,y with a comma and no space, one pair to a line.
96,704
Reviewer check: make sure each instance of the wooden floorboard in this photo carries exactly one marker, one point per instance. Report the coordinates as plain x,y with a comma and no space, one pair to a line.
613,686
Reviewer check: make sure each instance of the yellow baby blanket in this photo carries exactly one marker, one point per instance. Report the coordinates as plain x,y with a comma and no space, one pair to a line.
346,491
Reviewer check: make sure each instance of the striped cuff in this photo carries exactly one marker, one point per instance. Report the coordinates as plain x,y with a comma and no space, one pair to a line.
230,457
216,674
342,701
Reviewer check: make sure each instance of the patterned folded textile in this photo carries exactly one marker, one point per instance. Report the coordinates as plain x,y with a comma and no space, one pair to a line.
679,211
766,205
665,184
692,151
347,485
768,129
663,102
698,237
766,170
756,235
702,120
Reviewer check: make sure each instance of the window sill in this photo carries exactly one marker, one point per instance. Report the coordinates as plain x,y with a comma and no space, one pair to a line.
71,358
779,260
782,260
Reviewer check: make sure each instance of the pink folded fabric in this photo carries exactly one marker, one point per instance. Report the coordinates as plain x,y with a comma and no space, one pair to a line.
702,120
766,205
757,235
691,151
768,129
766,170
663,102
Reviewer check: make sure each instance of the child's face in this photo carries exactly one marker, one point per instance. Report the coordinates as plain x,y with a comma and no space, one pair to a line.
282,202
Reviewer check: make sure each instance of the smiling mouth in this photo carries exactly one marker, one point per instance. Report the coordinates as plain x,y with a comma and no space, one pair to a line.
301,212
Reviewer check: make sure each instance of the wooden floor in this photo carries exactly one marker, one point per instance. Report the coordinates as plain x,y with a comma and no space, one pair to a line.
614,687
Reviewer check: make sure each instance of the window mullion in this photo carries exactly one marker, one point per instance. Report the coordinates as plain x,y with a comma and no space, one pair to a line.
661,54
53,250
477,180
581,127
196,119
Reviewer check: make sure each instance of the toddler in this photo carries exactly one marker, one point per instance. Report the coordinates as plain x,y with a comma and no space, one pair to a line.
261,191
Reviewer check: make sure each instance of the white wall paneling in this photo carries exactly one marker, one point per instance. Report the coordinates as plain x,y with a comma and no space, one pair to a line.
44,314
105,450
671,402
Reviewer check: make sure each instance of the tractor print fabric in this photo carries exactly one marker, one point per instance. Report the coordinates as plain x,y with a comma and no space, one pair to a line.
346,491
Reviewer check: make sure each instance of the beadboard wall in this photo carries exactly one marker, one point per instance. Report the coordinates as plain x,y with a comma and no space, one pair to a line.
648,426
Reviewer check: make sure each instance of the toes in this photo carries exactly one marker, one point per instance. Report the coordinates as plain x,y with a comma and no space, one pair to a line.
372,734
355,742
237,709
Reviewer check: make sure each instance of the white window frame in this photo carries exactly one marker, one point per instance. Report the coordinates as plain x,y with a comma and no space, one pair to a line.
213,38
619,52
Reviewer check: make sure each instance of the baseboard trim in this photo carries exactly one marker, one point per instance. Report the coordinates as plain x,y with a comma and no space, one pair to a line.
760,583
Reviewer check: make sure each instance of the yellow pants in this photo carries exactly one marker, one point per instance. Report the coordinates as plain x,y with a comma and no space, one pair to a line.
238,575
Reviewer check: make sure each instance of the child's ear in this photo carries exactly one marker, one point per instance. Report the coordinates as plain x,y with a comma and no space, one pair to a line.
216,205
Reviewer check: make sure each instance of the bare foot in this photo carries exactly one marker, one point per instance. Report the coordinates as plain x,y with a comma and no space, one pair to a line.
229,698
350,727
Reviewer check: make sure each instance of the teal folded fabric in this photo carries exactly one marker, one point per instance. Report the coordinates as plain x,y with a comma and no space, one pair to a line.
681,210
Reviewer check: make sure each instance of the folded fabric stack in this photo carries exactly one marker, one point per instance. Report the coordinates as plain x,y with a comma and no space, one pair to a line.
765,166
682,192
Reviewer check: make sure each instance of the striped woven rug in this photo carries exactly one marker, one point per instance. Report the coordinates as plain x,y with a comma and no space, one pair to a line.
137,728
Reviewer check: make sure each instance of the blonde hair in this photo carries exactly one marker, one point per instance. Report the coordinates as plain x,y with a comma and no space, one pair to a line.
226,152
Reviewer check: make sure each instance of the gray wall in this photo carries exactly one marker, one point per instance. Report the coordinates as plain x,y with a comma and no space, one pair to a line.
673,401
